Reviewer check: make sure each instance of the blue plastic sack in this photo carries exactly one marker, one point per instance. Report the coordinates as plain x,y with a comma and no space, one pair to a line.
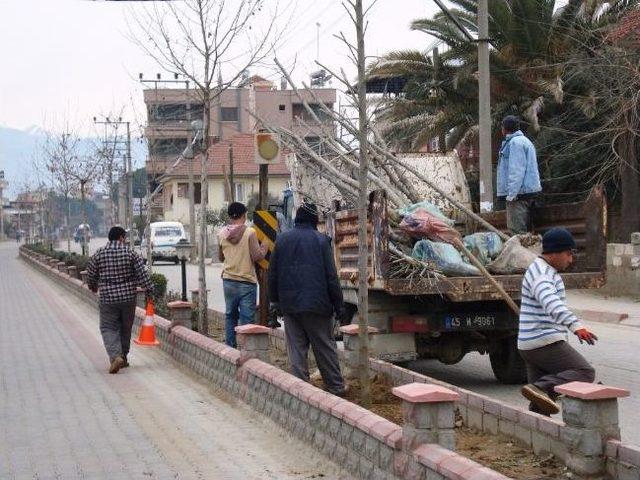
445,256
485,246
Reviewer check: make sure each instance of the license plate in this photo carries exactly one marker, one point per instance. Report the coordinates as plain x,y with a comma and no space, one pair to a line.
470,322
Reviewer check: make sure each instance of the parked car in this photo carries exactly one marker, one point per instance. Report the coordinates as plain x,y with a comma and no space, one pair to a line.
163,237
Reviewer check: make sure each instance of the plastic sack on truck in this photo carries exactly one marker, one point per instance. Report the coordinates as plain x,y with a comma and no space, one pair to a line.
446,257
485,246
515,258
428,207
423,224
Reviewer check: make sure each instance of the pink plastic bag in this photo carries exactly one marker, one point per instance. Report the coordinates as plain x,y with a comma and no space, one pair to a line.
422,224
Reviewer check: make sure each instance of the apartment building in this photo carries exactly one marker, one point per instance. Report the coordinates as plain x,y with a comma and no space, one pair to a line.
169,111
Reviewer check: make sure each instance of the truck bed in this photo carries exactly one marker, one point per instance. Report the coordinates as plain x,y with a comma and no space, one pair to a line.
585,220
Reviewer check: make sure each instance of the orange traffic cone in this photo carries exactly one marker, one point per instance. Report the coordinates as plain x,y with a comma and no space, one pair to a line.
148,329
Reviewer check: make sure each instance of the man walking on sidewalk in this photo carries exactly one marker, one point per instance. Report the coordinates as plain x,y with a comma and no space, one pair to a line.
518,179
239,250
544,324
304,286
114,272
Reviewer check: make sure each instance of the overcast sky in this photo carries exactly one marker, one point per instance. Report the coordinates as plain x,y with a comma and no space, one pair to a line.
70,59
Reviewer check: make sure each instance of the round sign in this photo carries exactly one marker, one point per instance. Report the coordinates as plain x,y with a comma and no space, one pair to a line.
268,149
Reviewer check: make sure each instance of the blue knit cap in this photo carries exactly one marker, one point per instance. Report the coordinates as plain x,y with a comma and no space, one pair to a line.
557,240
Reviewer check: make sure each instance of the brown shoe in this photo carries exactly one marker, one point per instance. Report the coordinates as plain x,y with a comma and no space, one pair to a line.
126,362
116,364
544,403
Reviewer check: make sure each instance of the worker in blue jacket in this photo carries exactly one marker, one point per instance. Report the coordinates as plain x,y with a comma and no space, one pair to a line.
518,179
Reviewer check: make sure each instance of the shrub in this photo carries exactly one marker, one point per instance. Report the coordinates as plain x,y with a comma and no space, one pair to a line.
159,286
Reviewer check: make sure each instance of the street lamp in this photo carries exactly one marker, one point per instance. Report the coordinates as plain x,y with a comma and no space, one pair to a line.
183,250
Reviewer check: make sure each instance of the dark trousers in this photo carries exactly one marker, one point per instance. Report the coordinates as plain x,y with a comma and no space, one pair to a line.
306,329
556,364
519,215
116,322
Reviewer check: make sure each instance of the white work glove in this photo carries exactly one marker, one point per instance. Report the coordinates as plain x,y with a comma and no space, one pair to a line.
511,198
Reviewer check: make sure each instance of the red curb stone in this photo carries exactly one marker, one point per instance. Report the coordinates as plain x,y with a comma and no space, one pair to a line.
382,429
252,329
455,466
328,402
179,304
318,398
366,422
354,414
431,455
353,329
340,408
612,448
424,393
591,391
394,439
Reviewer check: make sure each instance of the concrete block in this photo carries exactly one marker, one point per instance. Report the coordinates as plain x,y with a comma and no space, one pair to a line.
433,475
635,238
371,449
490,424
365,468
393,343
414,470
523,434
635,262
358,438
559,448
618,248
585,465
474,419
616,261
507,427
385,459
540,442
629,454
625,471
583,440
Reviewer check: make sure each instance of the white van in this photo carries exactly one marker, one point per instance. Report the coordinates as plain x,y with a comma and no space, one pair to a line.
163,237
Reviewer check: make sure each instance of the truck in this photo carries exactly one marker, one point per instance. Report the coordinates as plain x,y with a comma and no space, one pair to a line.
447,317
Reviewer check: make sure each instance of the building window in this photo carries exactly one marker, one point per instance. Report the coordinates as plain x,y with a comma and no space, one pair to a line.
240,192
229,114
281,108
183,192
174,112
316,144
167,146
299,111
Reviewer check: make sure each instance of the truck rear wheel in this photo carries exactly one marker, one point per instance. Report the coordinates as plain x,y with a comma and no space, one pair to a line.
506,362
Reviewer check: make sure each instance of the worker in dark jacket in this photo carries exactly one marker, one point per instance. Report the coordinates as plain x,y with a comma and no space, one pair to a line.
304,287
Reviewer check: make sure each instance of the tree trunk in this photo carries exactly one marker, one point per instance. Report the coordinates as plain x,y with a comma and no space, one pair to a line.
363,250
85,221
629,186
203,322
68,223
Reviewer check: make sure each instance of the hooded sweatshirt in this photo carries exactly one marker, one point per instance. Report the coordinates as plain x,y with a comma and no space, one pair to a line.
240,248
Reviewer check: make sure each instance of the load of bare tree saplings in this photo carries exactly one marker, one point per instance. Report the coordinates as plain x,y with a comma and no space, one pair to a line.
424,242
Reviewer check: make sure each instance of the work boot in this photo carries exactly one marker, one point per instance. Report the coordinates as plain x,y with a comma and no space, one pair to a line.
543,402
116,364
126,362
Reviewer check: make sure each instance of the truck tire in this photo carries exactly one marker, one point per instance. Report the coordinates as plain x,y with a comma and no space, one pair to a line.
507,364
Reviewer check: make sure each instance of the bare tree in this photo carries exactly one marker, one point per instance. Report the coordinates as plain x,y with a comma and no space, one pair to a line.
60,155
85,170
196,38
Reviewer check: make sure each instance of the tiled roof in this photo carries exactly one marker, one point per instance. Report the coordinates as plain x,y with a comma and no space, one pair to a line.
243,159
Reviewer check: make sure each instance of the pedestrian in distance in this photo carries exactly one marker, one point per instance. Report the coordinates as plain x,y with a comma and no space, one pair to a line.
239,250
115,271
304,288
545,322
518,178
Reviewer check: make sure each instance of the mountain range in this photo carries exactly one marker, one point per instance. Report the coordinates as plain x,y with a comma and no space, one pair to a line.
20,149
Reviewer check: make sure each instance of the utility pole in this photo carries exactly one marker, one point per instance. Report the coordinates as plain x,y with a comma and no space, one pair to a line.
129,170
232,190
484,116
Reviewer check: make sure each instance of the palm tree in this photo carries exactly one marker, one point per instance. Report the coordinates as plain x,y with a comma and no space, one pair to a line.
530,43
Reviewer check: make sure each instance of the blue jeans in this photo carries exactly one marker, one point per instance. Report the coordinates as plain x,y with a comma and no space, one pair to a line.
240,302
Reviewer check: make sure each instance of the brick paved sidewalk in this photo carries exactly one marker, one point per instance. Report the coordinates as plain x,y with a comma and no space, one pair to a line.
62,416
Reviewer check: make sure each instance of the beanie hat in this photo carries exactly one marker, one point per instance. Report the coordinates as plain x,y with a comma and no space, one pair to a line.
557,240
511,123
236,210
307,213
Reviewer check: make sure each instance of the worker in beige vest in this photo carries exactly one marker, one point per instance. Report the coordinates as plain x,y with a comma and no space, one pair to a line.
239,250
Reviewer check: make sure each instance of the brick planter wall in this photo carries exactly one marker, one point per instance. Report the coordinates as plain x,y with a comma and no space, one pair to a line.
367,445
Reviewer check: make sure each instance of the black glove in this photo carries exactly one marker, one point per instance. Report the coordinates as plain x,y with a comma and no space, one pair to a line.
342,316
274,313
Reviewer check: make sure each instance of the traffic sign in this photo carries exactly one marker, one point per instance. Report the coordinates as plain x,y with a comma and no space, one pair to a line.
265,224
267,148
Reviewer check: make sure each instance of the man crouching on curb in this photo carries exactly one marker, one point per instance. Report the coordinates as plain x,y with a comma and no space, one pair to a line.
544,324
115,271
